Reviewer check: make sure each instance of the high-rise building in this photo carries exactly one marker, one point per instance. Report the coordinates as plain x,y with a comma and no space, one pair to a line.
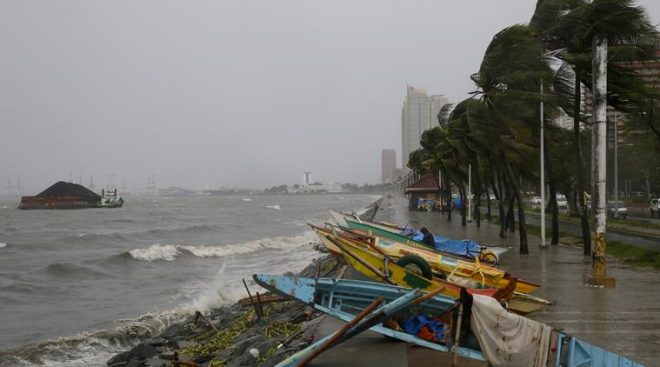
419,113
307,178
387,165
437,101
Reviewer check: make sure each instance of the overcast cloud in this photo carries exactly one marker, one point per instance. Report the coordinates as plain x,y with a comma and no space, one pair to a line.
227,93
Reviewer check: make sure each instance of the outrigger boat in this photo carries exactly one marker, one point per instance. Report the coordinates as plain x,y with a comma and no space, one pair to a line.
344,299
468,274
504,339
378,267
468,249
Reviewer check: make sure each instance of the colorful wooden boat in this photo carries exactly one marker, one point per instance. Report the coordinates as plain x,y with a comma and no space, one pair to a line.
344,298
376,266
465,273
467,249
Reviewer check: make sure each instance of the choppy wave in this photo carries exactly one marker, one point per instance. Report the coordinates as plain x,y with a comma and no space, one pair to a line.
119,237
276,206
91,348
155,252
3,245
64,270
246,199
171,252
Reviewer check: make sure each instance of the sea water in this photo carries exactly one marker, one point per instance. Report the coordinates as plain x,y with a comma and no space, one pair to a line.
78,286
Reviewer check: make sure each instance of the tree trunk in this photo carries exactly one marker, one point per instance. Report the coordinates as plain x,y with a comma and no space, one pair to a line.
477,195
448,194
463,209
579,165
552,183
477,208
500,206
522,224
599,89
510,220
488,215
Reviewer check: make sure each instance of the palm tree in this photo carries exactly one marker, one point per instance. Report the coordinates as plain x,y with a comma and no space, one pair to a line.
577,25
508,80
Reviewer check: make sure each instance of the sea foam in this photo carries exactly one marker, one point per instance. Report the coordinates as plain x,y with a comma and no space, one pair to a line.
276,207
155,252
171,252
91,348
3,245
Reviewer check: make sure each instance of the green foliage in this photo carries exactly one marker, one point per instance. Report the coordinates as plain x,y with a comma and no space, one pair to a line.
218,340
634,255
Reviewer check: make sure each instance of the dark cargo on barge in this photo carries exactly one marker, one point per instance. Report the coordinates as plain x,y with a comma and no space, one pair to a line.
61,195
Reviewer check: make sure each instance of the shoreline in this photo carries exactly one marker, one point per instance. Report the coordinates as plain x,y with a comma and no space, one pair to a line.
604,317
233,335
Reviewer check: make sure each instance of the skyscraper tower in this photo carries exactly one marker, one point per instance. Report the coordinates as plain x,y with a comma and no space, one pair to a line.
387,165
419,113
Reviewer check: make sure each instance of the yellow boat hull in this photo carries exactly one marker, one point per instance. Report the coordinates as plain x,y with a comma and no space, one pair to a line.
376,267
455,270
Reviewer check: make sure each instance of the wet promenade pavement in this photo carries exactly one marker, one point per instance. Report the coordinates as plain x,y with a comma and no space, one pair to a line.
625,319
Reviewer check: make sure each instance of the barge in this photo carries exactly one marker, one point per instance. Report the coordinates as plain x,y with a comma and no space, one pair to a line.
67,195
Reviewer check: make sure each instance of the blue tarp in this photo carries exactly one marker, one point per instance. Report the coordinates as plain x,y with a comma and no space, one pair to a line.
468,248
435,327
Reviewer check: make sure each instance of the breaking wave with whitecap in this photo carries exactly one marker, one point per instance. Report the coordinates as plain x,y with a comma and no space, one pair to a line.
160,252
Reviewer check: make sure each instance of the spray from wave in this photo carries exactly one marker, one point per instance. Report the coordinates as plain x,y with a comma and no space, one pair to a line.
91,348
171,252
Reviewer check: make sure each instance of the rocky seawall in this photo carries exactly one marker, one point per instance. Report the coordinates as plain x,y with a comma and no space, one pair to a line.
242,334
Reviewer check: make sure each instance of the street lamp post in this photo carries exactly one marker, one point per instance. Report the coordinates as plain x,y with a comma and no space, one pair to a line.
543,244
469,195
616,168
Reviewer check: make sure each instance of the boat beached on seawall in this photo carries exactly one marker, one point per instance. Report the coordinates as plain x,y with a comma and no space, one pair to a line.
379,267
503,338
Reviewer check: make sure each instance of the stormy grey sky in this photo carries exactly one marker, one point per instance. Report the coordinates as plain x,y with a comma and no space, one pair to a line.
227,93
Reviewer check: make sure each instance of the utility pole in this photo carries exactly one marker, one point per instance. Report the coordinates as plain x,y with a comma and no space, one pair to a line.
599,79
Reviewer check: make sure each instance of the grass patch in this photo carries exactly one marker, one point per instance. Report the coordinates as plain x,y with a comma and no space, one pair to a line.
630,254
634,255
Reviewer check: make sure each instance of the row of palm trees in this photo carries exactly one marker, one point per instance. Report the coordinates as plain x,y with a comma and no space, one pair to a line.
554,59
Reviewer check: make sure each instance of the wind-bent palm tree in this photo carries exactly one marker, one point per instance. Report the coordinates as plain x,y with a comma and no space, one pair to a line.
577,26
509,80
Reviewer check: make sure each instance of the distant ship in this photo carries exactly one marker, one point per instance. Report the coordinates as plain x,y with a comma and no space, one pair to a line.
66,195
110,199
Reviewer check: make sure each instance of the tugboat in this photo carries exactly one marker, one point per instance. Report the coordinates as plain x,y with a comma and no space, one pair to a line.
110,199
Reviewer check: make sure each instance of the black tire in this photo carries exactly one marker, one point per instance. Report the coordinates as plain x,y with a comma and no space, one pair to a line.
410,261
488,258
